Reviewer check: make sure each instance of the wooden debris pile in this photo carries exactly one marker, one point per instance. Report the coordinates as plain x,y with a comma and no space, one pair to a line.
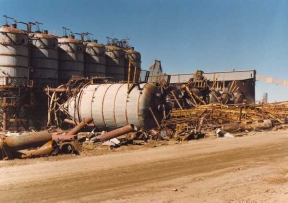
231,118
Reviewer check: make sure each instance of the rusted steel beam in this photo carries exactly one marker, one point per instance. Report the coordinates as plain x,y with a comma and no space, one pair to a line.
78,127
155,119
43,150
115,133
63,89
28,140
176,99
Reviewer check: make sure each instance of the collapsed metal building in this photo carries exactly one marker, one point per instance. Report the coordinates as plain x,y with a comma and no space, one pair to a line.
243,81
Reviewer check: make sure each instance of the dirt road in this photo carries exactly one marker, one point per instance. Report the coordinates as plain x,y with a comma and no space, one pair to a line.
243,169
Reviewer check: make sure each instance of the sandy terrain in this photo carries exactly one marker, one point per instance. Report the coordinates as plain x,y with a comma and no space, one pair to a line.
243,169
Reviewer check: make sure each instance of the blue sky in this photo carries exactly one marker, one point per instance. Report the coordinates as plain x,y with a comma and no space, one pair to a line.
210,35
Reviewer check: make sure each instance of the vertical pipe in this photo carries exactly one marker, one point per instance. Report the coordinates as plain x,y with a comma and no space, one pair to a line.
129,69
134,77
240,114
4,115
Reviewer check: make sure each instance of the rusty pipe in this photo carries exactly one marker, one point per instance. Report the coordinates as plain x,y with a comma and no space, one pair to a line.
78,127
61,136
115,133
4,115
28,140
69,121
59,90
43,150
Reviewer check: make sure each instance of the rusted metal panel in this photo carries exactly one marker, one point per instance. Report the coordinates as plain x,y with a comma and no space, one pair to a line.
247,87
44,59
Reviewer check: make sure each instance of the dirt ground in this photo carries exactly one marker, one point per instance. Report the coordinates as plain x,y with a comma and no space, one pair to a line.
252,168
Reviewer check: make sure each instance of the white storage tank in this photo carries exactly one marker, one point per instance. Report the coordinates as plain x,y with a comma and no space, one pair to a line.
115,62
71,58
112,107
95,60
14,56
44,59
135,65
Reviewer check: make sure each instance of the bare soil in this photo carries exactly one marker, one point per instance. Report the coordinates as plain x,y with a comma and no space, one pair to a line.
252,168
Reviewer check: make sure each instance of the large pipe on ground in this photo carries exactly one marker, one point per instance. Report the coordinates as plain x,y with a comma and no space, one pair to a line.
115,133
78,127
27,140
43,150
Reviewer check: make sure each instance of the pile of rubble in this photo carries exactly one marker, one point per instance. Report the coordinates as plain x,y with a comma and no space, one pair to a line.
179,125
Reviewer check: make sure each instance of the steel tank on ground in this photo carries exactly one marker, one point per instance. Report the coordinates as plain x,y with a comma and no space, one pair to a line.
135,66
111,107
114,62
14,56
71,58
44,59
94,60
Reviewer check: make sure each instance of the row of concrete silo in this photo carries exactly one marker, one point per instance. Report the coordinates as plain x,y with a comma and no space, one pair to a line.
49,60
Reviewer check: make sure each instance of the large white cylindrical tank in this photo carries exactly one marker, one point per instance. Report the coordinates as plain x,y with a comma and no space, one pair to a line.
71,58
44,59
95,60
115,62
112,107
14,56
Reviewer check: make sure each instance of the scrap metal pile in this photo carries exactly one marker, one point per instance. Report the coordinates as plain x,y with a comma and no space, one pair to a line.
230,118
113,114
180,124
